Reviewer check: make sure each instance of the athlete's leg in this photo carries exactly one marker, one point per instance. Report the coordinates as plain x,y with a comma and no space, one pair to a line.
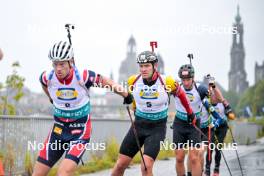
152,144
180,155
67,167
149,161
203,147
40,169
48,156
180,135
194,137
122,163
79,137
201,156
189,167
128,150
195,162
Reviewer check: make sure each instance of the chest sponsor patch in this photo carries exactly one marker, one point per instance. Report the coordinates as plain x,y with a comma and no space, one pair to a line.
149,93
66,94
190,97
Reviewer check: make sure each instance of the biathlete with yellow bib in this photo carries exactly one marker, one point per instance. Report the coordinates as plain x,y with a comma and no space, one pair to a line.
151,99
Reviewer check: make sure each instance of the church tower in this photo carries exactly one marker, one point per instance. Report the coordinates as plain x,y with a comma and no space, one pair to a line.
237,74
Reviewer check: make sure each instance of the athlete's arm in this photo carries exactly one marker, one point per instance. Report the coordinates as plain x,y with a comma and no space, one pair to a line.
44,86
217,97
45,89
96,80
104,82
216,94
175,89
117,88
182,96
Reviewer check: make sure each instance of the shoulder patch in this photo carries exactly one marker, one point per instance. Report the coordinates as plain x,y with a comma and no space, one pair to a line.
170,83
43,79
132,79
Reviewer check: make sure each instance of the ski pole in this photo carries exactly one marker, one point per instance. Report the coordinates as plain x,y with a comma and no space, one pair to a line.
136,136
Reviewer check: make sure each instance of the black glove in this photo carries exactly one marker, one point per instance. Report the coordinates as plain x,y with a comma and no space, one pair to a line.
191,118
128,99
228,109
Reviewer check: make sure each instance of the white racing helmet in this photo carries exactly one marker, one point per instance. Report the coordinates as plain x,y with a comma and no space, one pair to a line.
61,51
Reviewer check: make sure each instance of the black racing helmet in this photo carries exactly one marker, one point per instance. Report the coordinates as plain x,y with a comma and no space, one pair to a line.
186,71
147,57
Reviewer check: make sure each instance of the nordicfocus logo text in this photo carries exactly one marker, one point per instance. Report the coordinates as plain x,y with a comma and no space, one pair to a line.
58,145
166,145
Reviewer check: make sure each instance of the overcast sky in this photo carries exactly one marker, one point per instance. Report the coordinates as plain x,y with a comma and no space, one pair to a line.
30,27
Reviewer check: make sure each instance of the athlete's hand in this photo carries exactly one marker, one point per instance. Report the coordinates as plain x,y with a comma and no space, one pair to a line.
228,109
191,118
229,113
128,99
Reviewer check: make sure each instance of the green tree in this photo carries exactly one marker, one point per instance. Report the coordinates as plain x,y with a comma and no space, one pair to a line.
254,98
12,87
232,97
245,100
259,98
